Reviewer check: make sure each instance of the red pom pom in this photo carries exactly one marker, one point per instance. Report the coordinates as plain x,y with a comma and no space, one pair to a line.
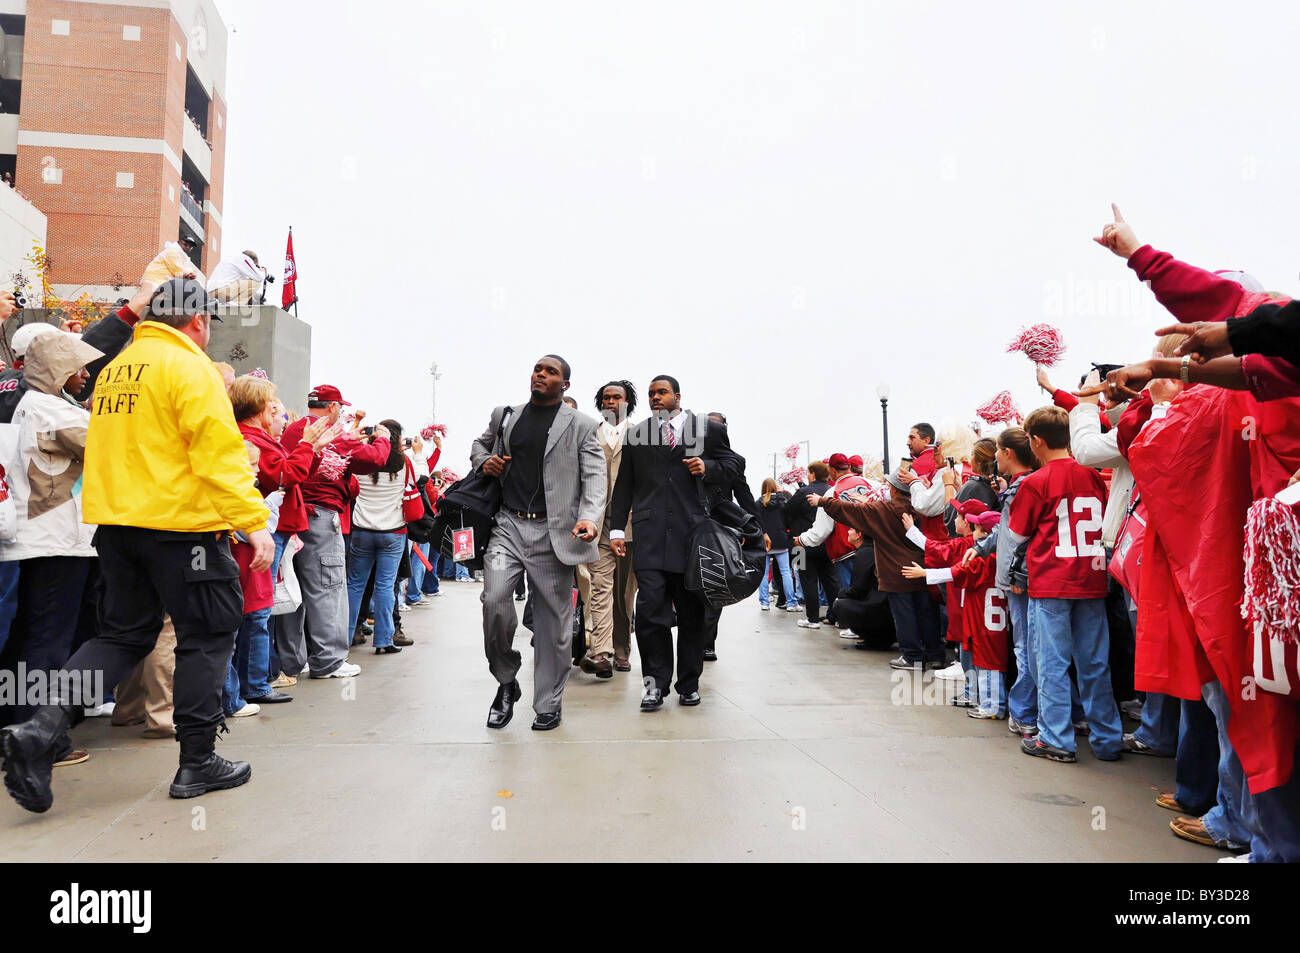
1041,343
998,410
1271,603
448,477
792,452
333,464
792,477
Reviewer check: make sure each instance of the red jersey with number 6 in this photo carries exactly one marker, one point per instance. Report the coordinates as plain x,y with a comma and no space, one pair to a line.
1059,510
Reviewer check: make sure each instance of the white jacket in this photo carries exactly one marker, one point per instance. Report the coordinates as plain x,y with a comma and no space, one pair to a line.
929,500
1092,448
45,479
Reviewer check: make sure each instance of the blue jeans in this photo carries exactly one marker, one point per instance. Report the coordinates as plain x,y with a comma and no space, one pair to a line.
430,584
1022,701
1196,769
972,690
8,598
414,584
253,654
1159,728
1061,630
992,691
916,621
845,568
462,572
783,564
273,659
381,552
1227,821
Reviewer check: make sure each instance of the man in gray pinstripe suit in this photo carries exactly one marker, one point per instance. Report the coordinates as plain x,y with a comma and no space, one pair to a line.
552,473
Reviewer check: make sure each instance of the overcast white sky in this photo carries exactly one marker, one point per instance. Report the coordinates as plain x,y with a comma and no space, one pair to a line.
782,204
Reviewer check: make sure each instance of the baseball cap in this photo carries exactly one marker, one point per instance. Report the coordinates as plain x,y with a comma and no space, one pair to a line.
838,461
180,296
1245,279
856,461
327,394
24,336
986,520
970,507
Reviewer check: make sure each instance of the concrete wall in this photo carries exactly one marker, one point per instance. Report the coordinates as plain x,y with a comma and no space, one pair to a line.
271,339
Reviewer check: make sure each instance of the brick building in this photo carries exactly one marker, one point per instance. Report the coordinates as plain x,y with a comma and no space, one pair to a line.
113,124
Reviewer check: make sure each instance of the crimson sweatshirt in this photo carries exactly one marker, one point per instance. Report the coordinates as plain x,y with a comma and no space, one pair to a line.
319,489
1193,294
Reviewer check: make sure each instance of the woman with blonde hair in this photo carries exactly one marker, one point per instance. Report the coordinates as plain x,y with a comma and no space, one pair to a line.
776,536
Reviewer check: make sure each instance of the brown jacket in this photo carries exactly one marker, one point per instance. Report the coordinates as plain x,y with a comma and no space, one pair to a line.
882,521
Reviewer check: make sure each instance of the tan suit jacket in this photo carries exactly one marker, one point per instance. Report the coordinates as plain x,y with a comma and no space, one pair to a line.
613,456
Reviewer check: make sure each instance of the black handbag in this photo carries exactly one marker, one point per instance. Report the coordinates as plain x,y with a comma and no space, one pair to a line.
421,530
471,503
726,555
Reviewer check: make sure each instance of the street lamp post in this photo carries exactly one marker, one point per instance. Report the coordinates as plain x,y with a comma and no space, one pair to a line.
882,391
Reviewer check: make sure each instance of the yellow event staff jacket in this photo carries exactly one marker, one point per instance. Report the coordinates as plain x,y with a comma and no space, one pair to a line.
162,448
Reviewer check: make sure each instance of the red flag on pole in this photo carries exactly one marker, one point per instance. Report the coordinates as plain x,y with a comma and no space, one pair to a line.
290,276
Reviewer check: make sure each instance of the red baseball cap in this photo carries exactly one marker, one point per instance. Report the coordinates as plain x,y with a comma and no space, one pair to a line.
986,520
855,461
328,394
971,507
838,461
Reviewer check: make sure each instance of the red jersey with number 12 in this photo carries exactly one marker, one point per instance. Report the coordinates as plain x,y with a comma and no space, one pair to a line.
1059,510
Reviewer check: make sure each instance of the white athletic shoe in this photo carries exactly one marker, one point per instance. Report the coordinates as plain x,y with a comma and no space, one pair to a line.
250,708
789,608
953,673
805,624
101,711
346,670
849,634
1235,859
766,608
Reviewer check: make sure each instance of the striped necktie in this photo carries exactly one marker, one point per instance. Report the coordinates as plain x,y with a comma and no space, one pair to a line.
670,439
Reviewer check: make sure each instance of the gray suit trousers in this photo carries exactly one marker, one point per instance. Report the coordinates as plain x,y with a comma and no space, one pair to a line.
521,546
324,610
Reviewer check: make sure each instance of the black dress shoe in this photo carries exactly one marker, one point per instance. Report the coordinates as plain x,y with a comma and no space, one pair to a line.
387,649
653,699
546,721
271,698
691,699
710,655
358,637
503,706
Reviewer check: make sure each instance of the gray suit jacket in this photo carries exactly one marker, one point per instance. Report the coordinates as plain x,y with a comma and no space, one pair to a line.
574,474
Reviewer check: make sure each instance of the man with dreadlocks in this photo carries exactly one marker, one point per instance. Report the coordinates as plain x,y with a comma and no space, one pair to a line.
608,584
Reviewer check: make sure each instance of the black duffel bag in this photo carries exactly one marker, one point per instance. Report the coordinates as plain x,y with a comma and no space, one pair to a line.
471,503
726,554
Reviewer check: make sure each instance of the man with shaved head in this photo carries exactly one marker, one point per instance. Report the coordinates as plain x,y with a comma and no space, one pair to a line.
552,474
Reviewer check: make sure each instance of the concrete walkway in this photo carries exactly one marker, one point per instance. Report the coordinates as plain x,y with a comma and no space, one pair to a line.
799,752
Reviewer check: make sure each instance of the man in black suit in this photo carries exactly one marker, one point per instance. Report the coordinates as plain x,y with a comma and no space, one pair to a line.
665,460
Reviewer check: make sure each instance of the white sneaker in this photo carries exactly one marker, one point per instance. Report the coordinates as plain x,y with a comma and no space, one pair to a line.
765,608
101,711
1235,859
306,669
250,708
952,673
346,670
403,607
849,634
805,624
793,609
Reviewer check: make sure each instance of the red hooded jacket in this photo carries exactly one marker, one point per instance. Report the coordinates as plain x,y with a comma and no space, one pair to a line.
281,469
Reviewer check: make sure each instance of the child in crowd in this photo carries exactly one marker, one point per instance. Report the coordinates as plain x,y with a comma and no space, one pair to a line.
1058,516
980,605
941,554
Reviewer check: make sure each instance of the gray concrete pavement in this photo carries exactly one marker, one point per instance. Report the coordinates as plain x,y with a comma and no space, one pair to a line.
799,752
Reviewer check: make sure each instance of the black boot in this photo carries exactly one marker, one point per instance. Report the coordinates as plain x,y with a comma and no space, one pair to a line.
202,769
29,749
